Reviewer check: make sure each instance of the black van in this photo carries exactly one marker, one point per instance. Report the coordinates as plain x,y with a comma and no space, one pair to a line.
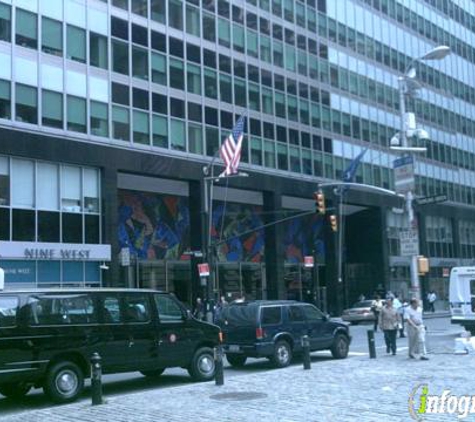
48,336
274,329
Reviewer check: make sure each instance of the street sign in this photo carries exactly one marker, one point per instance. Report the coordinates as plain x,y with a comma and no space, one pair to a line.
308,261
409,240
404,180
203,270
434,199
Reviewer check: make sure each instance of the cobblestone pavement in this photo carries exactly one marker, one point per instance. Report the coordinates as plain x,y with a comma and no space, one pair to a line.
354,389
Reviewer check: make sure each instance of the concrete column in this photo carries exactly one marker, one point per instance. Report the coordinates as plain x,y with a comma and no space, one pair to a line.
274,246
110,224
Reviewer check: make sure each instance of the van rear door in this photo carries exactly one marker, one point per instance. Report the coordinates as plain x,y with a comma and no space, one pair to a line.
462,294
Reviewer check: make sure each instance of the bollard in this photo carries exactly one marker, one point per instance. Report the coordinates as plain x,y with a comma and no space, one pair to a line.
218,365
306,352
371,345
96,379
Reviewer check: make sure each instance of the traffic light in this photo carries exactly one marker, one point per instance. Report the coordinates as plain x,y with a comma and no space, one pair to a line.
333,223
319,202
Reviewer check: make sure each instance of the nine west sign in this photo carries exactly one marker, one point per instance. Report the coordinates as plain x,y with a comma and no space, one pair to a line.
54,251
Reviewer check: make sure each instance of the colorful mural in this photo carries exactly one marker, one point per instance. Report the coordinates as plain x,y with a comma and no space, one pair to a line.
238,219
154,226
303,236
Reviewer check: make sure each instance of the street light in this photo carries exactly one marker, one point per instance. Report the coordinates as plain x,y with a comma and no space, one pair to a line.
209,180
407,86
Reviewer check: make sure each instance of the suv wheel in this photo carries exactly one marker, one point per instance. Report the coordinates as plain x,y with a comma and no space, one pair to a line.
340,347
202,365
282,354
64,382
154,373
15,390
235,360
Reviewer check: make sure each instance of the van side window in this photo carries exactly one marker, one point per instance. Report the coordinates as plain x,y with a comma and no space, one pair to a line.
111,310
136,308
8,309
271,315
61,309
168,309
296,314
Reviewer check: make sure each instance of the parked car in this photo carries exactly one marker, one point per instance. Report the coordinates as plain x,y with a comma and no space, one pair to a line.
274,329
359,312
48,336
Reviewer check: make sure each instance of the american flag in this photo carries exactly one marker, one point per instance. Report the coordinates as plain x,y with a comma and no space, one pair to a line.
231,149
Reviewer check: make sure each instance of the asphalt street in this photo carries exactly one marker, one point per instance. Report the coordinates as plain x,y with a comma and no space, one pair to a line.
440,340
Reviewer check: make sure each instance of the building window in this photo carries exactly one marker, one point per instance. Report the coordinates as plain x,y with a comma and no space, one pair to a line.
52,109
23,225
47,186
91,190
98,50
48,226
26,107
177,76
52,37
76,44
160,131
72,228
178,141
159,69
140,7
23,183
139,63
5,100
99,119
194,79
120,57
175,14
192,20
4,182
26,29
5,22
120,123
77,114
158,10
91,228
195,139
141,128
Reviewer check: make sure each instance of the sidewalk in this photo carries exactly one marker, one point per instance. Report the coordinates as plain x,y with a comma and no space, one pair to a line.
354,389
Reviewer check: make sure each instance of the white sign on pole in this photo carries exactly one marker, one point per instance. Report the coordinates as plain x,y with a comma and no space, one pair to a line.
125,257
409,240
404,180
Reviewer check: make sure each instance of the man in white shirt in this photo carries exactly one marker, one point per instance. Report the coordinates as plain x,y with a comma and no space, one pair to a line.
415,330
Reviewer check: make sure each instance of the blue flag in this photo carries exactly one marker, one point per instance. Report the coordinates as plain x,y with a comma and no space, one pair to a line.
350,172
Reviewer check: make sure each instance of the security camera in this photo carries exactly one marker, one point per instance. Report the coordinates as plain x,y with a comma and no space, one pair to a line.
104,266
395,140
422,134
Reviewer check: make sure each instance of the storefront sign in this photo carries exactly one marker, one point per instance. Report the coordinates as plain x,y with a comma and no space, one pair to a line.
54,251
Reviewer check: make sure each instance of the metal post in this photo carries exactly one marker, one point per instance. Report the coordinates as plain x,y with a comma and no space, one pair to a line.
209,251
306,352
96,379
218,364
371,345
415,288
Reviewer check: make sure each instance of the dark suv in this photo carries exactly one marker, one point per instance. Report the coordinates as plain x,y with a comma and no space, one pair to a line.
48,336
274,329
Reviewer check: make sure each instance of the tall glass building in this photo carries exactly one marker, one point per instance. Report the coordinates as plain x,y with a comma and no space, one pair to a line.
109,110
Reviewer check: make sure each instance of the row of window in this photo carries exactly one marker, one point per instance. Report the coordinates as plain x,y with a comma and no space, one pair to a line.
48,186
454,11
52,37
51,273
423,27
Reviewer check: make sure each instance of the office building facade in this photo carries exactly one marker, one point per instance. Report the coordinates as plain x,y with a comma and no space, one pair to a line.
109,110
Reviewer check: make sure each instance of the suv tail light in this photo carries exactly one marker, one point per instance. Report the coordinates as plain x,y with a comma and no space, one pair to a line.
221,337
260,334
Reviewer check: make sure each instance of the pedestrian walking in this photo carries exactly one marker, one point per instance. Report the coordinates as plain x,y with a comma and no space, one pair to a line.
389,322
376,307
401,308
218,309
431,298
415,331
199,312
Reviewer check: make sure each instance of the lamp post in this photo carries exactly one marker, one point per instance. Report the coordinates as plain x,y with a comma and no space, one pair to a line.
209,181
407,85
